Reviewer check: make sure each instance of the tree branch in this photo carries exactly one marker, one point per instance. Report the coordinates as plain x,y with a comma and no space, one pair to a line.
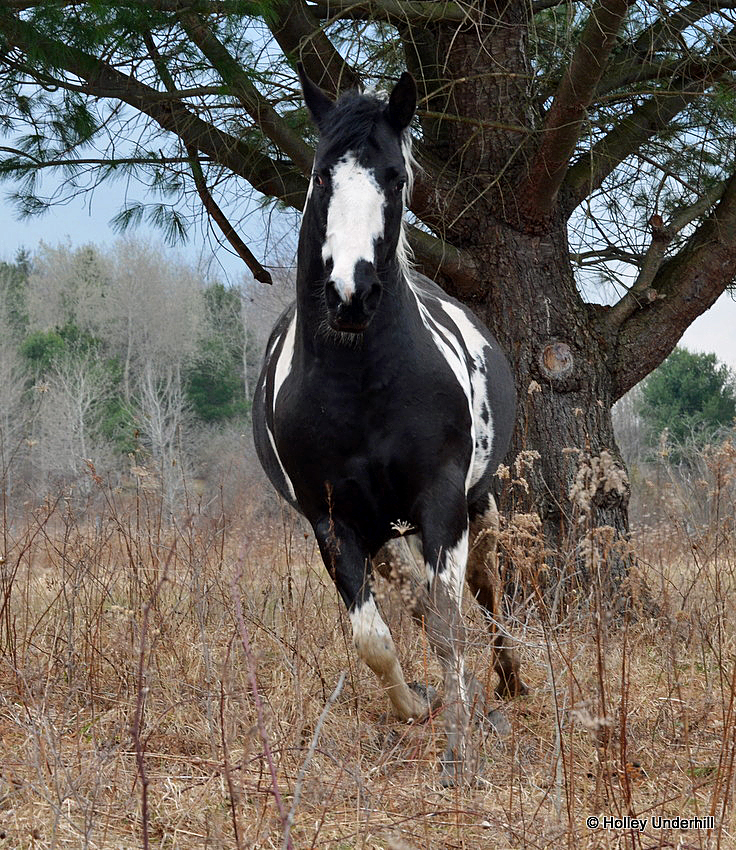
564,119
300,36
438,257
604,256
591,169
660,32
393,11
244,158
211,206
642,293
35,164
244,7
589,172
684,287
631,64
222,221
259,109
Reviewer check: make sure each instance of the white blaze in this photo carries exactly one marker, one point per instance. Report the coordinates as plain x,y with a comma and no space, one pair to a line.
354,222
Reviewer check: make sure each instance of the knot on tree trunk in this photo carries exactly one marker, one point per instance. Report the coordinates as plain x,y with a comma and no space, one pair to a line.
557,365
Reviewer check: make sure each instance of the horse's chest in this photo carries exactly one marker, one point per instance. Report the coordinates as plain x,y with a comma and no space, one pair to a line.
368,444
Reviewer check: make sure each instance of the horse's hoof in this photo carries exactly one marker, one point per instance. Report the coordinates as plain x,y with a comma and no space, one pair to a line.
499,723
429,696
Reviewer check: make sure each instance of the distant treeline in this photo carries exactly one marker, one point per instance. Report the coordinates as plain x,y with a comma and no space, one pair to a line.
118,359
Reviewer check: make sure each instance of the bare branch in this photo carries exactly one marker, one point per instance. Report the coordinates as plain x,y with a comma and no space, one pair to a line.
308,759
683,288
209,203
565,117
603,256
642,293
219,217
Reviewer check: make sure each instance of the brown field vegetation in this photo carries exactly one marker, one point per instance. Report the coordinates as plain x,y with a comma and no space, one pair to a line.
175,683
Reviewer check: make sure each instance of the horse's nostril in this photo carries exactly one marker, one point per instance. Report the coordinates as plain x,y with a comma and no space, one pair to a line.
373,297
332,299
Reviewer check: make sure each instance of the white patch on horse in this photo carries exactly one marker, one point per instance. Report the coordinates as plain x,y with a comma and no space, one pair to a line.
371,636
375,646
453,353
281,373
354,222
453,575
476,343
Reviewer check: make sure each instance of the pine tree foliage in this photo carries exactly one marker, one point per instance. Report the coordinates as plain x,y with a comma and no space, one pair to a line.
690,396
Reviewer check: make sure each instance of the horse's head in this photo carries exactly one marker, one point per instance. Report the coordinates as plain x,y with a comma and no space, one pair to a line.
357,192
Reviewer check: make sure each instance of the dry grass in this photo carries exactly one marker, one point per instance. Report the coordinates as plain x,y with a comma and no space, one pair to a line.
128,717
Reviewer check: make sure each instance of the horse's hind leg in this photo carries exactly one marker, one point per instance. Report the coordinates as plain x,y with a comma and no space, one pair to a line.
482,575
444,529
349,566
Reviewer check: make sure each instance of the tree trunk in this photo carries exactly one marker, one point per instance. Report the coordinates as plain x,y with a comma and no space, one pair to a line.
560,356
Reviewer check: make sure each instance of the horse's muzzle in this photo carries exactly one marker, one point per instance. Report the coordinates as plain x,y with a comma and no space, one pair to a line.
355,315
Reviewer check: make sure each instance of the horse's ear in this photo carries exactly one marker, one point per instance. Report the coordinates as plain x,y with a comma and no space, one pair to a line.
318,104
402,103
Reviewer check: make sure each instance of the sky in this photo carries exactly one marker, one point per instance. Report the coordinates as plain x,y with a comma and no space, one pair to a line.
82,221
86,219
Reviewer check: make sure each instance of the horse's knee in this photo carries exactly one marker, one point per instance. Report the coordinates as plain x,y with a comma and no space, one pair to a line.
371,636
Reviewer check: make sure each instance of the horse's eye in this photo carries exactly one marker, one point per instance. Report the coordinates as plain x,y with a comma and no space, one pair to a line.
400,185
319,180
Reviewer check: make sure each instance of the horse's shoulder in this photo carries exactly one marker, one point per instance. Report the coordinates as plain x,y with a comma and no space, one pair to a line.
281,326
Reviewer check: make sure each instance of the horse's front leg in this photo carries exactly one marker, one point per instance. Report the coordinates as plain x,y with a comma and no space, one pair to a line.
348,563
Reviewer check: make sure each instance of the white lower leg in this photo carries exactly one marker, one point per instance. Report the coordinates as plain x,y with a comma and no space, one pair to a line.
375,646
446,592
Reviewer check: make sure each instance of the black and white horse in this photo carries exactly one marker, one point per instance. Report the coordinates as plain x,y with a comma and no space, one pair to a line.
384,404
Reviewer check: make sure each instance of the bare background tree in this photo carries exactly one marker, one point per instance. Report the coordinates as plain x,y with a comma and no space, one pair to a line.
13,381
558,142
126,360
